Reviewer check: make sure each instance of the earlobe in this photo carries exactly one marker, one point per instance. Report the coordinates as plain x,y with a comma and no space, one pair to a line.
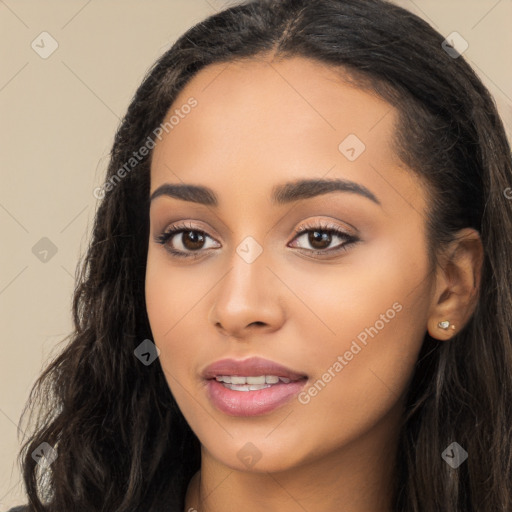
448,328
457,285
443,330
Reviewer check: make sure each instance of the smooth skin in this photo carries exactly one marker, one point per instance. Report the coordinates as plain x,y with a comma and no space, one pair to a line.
257,124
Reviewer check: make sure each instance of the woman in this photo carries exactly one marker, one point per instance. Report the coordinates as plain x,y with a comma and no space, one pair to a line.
297,294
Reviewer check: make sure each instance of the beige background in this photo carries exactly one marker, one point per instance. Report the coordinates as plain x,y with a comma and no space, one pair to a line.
58,119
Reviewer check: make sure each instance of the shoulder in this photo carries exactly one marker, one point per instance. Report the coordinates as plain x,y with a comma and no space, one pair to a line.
22,508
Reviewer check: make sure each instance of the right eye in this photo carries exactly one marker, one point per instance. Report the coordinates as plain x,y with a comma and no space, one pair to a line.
191,241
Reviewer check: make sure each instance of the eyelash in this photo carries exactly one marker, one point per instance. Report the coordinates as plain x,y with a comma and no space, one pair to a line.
320,226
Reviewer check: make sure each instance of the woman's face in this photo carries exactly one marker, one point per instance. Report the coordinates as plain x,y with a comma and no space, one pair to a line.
340,310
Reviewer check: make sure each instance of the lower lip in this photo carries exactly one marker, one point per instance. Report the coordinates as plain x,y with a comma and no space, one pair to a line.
252,403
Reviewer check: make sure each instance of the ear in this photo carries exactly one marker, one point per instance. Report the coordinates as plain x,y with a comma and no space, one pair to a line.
457,284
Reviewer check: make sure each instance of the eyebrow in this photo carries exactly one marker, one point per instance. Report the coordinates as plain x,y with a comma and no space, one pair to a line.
281,194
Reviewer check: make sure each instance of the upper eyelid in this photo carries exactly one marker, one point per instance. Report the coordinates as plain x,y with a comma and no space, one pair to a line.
310,225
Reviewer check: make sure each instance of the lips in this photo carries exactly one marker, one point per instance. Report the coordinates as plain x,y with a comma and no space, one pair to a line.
252,367
252,386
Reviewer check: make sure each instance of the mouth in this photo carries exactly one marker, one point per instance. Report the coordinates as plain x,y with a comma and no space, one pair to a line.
251,386
238,383
253,367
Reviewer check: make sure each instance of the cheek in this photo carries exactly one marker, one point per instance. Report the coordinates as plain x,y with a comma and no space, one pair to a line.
359,384
161,302
172,292
378,312
170,299
175,298
377,295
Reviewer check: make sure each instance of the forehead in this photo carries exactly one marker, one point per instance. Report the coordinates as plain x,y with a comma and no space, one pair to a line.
259,122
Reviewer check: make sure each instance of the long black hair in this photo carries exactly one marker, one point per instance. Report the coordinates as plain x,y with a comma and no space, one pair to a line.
122,444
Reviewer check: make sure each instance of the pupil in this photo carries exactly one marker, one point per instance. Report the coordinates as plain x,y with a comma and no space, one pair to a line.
319,239
193,240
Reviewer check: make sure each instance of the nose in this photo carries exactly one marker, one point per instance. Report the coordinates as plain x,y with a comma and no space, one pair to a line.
248,300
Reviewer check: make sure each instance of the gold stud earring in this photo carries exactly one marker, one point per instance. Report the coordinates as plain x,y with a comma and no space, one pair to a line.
445,324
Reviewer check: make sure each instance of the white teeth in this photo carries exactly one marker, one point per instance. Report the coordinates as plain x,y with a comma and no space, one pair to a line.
251,387
256,380
238,383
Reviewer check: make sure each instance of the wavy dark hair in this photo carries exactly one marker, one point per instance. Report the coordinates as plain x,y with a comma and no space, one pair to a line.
122,443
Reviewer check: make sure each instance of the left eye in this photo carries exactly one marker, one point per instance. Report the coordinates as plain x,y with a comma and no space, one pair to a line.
320,239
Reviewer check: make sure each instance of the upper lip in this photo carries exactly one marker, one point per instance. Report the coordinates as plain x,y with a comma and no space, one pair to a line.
251,367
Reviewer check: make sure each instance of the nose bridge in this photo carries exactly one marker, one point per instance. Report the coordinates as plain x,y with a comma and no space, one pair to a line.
246,296
244,286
